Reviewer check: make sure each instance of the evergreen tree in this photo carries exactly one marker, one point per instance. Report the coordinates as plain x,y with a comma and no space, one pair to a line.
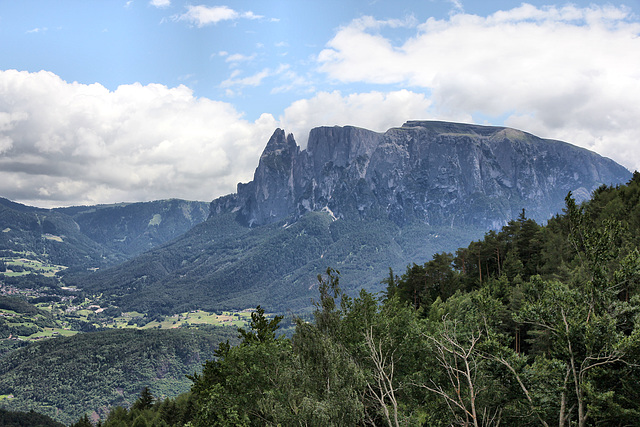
145,401
83,422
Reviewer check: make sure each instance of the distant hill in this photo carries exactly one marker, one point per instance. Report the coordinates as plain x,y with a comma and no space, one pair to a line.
50,236
359,201
26,419
94,236
133,228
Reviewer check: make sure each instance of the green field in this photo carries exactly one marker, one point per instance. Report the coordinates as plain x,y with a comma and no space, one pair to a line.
129,320
198,317
52,332
27,262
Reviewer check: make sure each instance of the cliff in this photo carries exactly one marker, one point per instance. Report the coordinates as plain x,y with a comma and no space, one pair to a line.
437,173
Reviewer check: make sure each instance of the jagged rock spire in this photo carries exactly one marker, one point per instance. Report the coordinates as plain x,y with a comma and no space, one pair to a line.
438,173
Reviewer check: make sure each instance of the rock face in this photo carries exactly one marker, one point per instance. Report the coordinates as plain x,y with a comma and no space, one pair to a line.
389,199
434,172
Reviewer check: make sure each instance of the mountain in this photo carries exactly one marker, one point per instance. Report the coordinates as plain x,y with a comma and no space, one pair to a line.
437,173
359,201
133,228
94,236
49,236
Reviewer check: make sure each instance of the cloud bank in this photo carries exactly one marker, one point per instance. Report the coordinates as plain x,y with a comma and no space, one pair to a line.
565,73
561,72
68,143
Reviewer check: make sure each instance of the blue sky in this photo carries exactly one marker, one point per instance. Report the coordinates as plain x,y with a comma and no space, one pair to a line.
109,101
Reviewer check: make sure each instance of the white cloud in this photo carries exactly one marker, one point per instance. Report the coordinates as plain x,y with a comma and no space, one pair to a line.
290,80
238,57
457,5
205,15
561,72
250,15
160,3
284,77
68,143
37,30
253,80
374,110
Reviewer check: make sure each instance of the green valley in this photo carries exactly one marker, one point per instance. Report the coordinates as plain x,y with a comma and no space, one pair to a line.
530,325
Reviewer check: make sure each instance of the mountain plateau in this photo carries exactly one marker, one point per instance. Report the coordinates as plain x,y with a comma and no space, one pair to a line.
359,201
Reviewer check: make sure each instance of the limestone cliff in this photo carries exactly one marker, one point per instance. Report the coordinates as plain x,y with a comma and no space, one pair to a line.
434,172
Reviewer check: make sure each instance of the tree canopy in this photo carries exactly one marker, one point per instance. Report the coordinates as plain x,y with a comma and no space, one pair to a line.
532,325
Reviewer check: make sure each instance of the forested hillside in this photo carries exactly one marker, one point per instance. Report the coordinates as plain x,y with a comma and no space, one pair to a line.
353,199
26,419
90,237
222,265
49,236
133,228
531,325
68,376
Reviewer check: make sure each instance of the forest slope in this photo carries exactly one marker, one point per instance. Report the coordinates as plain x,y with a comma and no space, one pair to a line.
67,377
356,200
544,331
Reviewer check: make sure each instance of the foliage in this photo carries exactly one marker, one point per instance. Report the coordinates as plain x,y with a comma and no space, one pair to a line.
26,419
531,326
69,376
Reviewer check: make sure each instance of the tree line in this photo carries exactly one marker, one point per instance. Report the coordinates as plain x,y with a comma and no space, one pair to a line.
532,325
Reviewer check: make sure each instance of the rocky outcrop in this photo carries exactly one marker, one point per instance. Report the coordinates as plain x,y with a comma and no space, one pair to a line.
434,172
271,195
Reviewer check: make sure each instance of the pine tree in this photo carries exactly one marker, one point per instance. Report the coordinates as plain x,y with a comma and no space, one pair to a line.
145,401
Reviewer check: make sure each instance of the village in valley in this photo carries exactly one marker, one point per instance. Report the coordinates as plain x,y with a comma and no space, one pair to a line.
58,310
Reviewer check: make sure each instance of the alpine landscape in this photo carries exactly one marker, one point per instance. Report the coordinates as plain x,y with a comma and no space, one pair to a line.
424,256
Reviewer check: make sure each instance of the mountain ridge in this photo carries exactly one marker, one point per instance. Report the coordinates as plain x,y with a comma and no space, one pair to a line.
389,170
357,200
95,236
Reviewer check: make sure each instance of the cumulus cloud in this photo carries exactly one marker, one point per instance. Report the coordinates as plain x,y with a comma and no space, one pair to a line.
69,143
374,110
562,72
160,3
205,15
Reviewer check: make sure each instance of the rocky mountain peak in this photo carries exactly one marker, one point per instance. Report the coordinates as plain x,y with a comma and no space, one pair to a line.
280,144
269,197
438,173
